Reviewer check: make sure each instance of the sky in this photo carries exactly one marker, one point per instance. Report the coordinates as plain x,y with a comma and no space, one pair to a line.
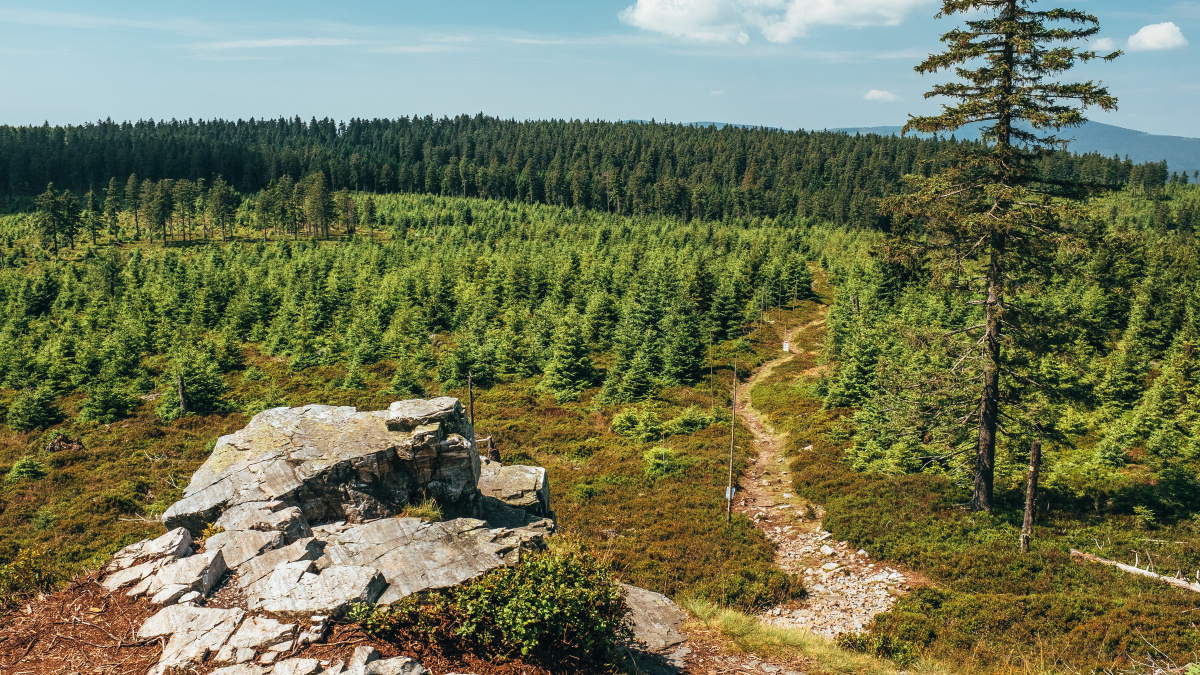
792,64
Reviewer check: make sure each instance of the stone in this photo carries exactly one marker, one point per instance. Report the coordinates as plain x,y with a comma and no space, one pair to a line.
401,665
362,656
197,573
190,597
298,667
521,487
295,589
242,669
240,546
131,575
416,556
273,516
655,619
194,632
337,463
826,550
171,546
260,632
261,566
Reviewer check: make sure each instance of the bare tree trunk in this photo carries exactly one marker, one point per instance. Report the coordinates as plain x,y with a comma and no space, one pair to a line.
1035,465
989,400
179,390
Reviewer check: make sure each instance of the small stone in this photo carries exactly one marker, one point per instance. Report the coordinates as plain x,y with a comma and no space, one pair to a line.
825,550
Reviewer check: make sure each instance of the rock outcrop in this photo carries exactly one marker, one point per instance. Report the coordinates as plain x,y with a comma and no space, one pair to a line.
302,509
322,463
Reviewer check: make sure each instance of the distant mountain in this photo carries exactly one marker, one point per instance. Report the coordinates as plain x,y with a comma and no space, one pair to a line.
1181,153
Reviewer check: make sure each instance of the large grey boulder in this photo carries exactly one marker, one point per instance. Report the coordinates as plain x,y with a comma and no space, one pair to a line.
336,463
520,487
416,556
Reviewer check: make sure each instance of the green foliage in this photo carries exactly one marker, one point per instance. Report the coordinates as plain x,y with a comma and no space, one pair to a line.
691,420
31,572
26,468
34,408
882,646
639,422
664,463
201,381
550,604
569,370
105,404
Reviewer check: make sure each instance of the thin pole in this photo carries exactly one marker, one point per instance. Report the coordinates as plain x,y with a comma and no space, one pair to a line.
732,432
471,402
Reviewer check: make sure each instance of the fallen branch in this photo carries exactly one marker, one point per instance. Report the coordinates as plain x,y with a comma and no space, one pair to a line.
1180,583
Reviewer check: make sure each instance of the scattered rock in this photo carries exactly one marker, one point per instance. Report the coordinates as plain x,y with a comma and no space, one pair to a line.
655,619
257,568
197,573
521,487
173,545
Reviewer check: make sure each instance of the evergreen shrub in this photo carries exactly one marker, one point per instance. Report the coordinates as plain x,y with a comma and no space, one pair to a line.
34,408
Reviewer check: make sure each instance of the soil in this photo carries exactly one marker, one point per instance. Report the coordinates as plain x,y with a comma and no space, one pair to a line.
845,588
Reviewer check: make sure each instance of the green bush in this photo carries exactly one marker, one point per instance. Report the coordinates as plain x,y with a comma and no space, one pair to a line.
550,604
31,572
34,408
26,468
664,462
691,420
639,423
882,646
203,386
105,404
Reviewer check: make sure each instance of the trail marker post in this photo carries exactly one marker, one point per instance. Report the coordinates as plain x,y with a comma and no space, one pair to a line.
732,433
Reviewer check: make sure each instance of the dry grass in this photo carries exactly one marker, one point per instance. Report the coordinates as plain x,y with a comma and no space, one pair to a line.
746,634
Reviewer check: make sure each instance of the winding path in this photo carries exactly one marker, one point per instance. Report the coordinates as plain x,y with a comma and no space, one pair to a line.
846,589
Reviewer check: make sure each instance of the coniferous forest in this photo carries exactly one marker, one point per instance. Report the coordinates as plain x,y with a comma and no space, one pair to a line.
163,281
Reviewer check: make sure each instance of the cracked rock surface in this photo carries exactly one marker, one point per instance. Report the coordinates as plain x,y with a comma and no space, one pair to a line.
301,510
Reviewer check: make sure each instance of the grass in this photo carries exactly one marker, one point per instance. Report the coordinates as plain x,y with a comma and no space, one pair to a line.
746,634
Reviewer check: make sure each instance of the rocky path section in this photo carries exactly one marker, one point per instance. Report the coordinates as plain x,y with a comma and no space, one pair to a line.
846,589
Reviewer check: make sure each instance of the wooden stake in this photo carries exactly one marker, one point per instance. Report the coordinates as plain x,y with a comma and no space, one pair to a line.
1035,464
471,402
732,432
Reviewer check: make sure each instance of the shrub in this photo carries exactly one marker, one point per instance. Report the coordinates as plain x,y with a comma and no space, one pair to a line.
105,404
26,468
567,603
664,462
639,423
691,420
34,408
29,573
550,604
203,386
882,646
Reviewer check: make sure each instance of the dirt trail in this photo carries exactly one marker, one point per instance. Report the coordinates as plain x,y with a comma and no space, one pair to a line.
845,588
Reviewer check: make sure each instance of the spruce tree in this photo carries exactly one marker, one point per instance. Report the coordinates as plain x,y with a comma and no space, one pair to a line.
987,225
569,370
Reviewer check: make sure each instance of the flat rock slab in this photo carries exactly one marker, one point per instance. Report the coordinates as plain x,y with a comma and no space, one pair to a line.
173,545
416,556
296,589
336,463
260,567
194,632
655,619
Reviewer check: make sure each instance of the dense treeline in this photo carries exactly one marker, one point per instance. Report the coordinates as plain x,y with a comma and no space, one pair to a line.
625,168
507,291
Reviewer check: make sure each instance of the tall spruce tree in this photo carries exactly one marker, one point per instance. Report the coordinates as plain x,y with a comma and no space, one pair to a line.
987,226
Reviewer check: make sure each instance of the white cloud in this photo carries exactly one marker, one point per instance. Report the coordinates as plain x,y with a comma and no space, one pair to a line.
880,95
282,42
1105,45
1157,36
716,92
777,20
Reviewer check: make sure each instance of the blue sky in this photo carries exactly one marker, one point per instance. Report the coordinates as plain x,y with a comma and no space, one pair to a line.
786,63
